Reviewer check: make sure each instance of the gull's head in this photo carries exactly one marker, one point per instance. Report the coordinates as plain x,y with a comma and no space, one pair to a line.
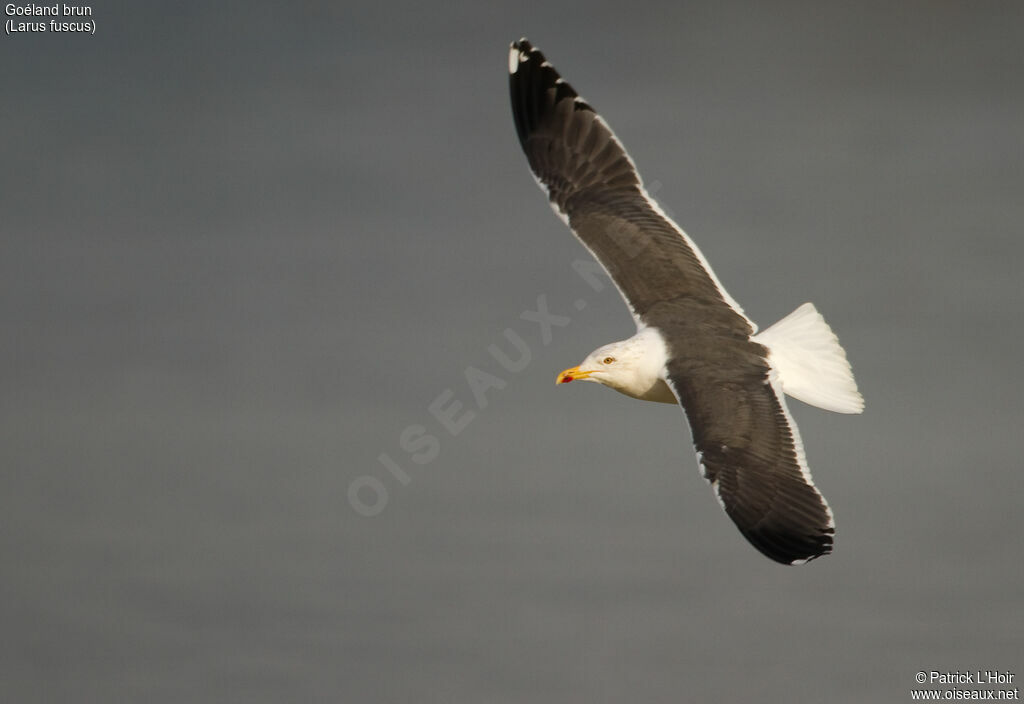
613,365
634,367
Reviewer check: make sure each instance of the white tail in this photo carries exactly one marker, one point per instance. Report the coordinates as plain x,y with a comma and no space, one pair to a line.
810,362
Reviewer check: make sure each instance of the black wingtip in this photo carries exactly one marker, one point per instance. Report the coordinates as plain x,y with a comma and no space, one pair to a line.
796,539
521,51
524,46
536,87
793,549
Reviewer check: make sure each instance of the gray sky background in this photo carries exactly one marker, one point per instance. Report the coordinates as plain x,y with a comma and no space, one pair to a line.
244,248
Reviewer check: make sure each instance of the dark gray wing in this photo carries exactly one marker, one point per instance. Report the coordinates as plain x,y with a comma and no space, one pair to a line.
748,446
593,184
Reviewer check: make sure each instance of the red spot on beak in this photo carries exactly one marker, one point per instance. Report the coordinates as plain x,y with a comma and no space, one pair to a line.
565,379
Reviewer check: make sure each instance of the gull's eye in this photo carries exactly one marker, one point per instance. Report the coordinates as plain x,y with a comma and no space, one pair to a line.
608,360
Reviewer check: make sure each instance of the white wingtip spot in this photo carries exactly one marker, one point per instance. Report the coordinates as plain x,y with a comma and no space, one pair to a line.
515,57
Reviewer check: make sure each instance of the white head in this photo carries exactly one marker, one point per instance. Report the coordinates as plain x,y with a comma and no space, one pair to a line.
631,366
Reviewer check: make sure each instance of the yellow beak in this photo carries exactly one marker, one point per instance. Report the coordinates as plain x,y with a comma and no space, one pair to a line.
572,374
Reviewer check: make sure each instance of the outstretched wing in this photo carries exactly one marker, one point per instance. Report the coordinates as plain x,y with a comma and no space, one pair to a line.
594,186
750,451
